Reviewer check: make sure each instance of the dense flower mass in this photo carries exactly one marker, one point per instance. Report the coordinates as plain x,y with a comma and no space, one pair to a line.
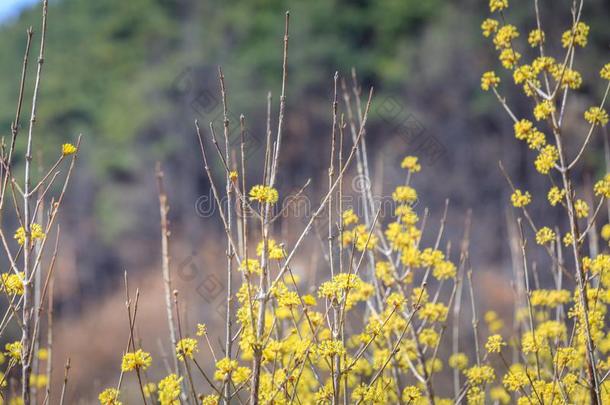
388,310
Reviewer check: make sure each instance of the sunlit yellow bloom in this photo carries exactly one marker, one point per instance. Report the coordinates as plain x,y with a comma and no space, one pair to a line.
410,163
169,390
458,360
68,149
35,233
546,159
581,208
494,344
577,34
12,283
489,80
13,350
596,116
555,195
520,199
505,35
264,194
349,217
536,37
497,5
604,73
224,367
489,26
186,348
545,235
138,360
544,109
110,396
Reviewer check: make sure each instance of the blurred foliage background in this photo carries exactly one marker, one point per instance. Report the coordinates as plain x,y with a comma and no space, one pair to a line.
132,76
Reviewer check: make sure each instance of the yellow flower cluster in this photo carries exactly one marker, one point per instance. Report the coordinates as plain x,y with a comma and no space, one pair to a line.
138,360
520,199
274,250
545,235
186,347
35,233
169,390
12,283
596,116
410,163
68,149
110,396
489,80
264,194
575,36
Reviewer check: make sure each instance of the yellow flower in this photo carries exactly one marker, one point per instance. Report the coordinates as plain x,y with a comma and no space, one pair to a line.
605,232
544,235
13,350
494,344
411,393
149,389
43,354
169,390
264,194
489,26
274,250
233,175
543,110
604,73
250,266
568,239
428,337
549,298
489,80
499,395
458,361
331,348
404,194
349,217
523,129
12,283
186,348
68,149
210,400
546,159
505,35
535,38
555,195
35,233
224,367
241,375
410,163
515,379
602,187
520,199
444,270
524,73
478,375
581,208
138,360
497,5
578,34
596,116
110,396
509,58
201,329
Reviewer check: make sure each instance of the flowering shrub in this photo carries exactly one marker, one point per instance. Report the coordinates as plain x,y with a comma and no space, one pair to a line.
383,326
